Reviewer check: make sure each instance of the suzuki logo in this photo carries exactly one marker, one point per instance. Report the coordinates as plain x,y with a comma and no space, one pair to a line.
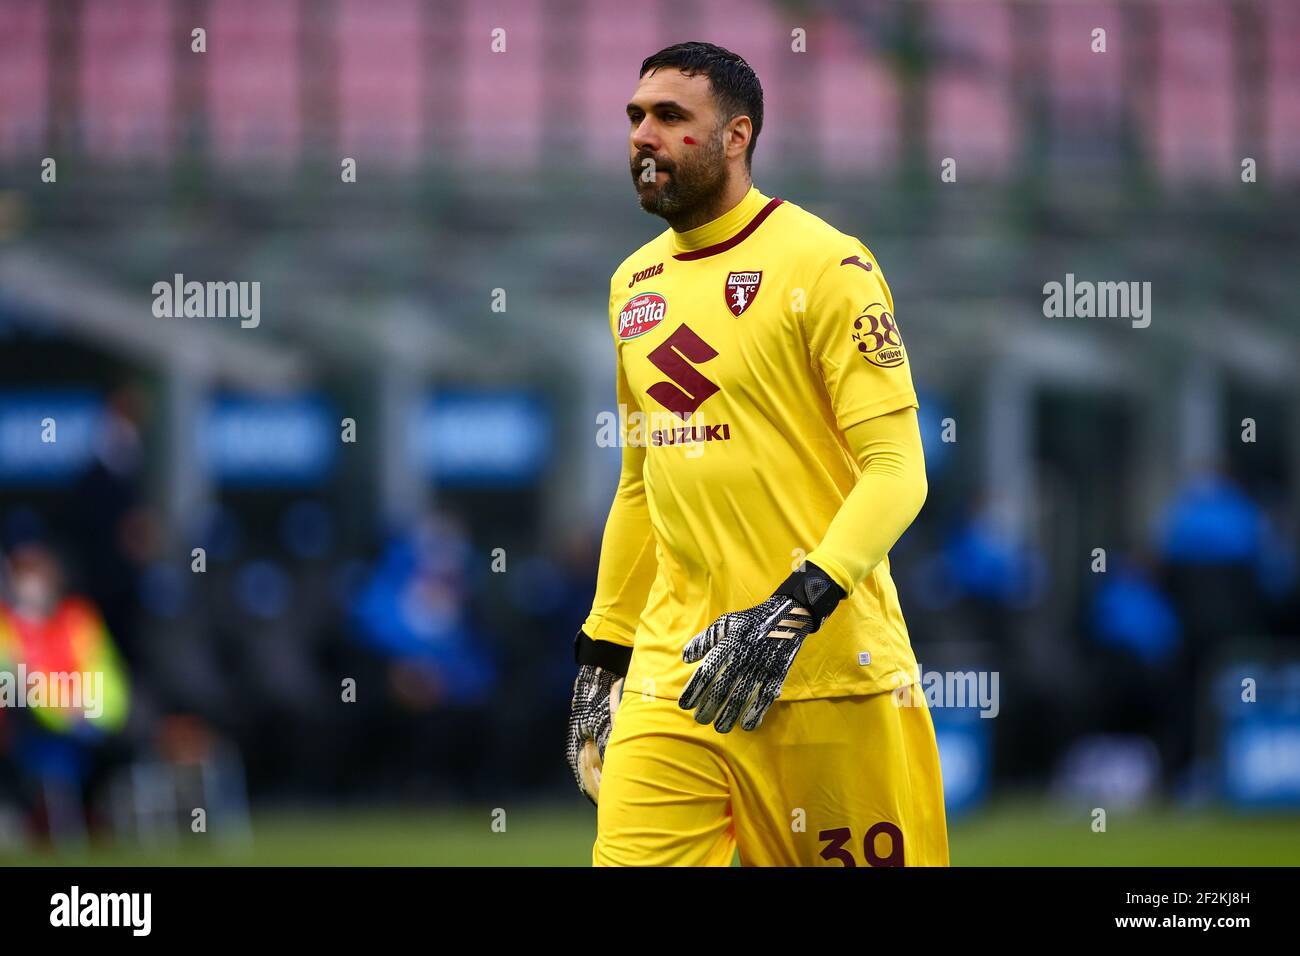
688,388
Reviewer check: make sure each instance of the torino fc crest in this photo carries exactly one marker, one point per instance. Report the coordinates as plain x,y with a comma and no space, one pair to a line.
742,287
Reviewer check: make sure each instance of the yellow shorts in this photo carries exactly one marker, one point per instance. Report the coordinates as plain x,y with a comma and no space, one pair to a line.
842,781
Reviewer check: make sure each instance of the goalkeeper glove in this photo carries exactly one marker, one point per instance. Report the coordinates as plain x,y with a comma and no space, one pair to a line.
596,693
745,655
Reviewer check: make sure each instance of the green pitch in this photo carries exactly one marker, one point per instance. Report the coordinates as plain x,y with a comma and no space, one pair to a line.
1008,834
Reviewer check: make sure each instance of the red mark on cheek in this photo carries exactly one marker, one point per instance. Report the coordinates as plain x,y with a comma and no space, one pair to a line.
688,141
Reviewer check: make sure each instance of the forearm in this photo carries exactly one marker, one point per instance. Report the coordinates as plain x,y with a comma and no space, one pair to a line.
887,497
627,568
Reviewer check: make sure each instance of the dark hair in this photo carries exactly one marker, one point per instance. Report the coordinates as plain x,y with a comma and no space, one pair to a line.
733,81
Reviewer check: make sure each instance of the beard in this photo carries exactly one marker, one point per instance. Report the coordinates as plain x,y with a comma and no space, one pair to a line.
695,183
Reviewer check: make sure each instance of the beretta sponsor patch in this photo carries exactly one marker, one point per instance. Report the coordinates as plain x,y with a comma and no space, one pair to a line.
641,314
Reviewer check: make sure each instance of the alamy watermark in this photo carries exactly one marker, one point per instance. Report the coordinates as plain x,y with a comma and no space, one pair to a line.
1098,300
208,300
66,690
133,911
975,689
657,429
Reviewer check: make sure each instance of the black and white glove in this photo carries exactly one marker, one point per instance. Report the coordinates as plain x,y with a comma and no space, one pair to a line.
596,694
745,655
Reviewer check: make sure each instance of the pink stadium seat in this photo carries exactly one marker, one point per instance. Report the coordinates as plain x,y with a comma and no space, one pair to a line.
381,76
1195,122
253,78
126,80
971,104
1282,112
24,100
408,79
505,93
1086,88
857,97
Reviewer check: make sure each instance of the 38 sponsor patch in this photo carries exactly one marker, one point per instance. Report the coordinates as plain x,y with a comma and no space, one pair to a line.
877,336
641,314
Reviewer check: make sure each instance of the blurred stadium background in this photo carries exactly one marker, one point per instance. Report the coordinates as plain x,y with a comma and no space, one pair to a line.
483,173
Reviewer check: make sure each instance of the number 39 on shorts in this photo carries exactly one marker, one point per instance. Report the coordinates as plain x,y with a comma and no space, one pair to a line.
839,845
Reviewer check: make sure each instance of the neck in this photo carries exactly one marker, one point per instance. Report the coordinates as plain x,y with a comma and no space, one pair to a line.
736,189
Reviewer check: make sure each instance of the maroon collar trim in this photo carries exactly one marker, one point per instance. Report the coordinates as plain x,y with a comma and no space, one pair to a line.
735,240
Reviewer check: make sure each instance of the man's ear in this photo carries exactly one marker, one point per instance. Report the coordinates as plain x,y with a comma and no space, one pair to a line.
739,132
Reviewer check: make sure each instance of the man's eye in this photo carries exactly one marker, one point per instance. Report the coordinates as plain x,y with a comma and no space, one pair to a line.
672,116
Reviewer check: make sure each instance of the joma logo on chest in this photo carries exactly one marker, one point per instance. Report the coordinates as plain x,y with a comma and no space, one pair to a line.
646,274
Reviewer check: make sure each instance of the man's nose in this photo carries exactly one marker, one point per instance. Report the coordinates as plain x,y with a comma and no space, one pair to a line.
645,138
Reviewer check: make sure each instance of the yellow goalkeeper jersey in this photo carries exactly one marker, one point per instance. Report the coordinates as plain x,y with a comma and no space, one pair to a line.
745,349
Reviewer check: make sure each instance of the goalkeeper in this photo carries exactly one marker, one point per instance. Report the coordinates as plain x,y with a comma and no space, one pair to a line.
743,675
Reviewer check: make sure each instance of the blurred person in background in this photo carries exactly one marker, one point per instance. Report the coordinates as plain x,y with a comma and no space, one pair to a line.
1212,536
542,594
115,525
1226,566
984,587
62,743
990,572
1142,680
413,609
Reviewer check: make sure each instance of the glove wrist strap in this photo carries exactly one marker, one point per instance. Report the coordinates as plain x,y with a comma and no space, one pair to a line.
813,588
603,654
